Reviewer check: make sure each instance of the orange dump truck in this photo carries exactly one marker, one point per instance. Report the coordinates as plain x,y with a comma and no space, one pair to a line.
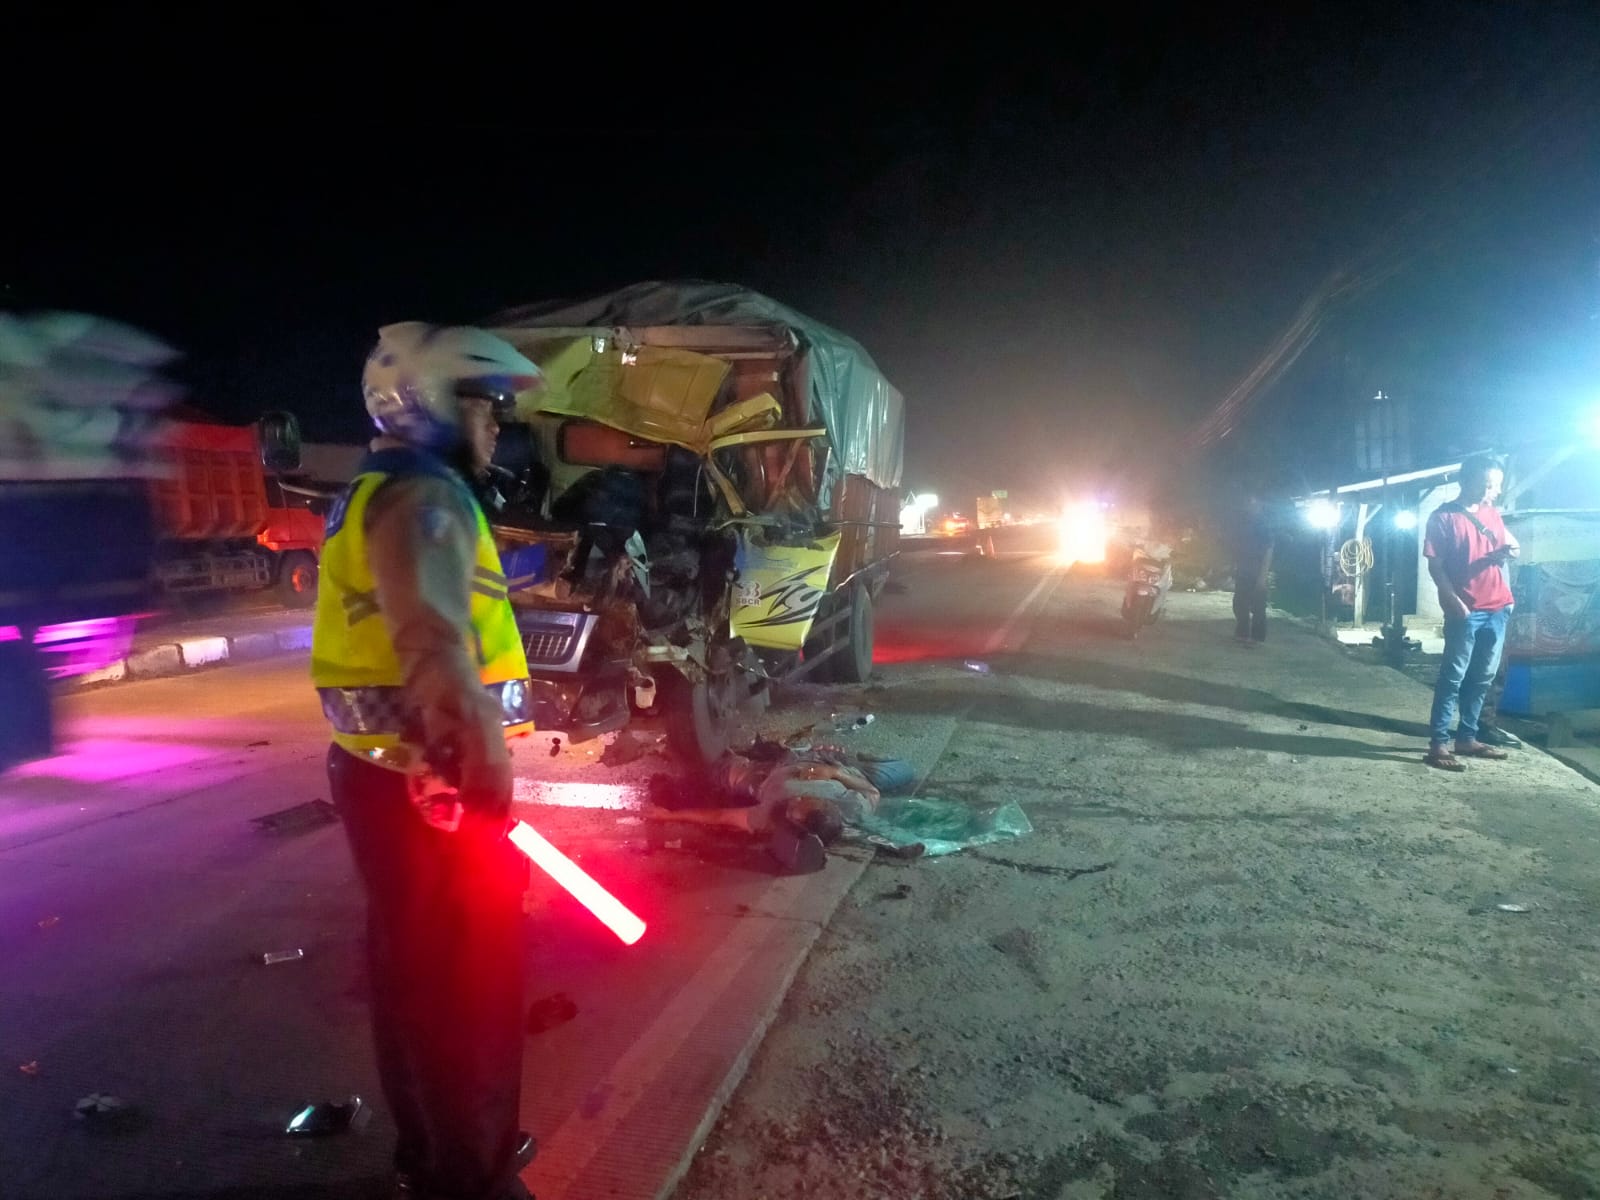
226,523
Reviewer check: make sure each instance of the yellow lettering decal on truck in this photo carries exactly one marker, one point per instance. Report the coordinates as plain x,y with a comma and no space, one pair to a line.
775,598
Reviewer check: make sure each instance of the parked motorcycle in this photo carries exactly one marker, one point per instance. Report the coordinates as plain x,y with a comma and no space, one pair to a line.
1149,581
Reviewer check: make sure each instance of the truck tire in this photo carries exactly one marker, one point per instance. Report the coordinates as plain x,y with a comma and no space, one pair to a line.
28,729
853,664
700,716
296,584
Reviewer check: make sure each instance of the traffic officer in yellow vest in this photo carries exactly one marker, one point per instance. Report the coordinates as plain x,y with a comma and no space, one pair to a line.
416,657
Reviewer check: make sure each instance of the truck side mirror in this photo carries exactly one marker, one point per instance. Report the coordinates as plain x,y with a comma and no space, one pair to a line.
279,435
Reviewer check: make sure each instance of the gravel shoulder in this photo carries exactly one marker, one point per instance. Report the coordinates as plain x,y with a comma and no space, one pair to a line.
1254,947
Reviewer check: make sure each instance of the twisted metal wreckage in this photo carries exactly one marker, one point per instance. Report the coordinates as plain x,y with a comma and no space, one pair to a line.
703,499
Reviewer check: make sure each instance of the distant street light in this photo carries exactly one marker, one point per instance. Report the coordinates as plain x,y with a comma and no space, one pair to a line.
1405,519
1323,514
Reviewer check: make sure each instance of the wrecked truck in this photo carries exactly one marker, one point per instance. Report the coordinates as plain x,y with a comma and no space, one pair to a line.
702,501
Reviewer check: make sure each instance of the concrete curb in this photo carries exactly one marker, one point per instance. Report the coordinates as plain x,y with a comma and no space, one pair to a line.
188,654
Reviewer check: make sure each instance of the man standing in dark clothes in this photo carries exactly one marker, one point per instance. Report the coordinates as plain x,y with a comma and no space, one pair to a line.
1251,544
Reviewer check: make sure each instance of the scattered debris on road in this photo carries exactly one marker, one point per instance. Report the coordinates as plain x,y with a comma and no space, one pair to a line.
1044,868
273,957
799,852
1490,905
106,1113
30,1068
298,818
905,853
630,746
319,1120
550,1011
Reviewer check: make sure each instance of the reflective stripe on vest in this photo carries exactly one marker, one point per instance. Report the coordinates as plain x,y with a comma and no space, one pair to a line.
353,662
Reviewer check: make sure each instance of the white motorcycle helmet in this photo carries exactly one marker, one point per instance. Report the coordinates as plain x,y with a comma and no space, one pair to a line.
418,374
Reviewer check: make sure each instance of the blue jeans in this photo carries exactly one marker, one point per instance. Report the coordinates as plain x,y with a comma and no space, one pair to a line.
1472,647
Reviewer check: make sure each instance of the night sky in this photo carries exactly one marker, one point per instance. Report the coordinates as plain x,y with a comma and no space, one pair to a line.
1065,245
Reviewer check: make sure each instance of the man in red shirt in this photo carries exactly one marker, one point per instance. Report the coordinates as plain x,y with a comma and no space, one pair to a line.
1467,546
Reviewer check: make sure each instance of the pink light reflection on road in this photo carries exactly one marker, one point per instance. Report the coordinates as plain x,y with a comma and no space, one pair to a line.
215,733
100,749
100,760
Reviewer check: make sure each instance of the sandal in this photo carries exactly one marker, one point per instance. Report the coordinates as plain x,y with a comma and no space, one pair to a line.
1481,750
1444,760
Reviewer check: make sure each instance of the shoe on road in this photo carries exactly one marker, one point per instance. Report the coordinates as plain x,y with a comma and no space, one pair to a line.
1493,735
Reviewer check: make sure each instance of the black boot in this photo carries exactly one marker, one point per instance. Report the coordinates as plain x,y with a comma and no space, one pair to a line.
1493,735
526,1149
408,1187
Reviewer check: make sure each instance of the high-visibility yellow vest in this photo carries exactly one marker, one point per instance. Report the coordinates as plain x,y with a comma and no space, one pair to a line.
353,662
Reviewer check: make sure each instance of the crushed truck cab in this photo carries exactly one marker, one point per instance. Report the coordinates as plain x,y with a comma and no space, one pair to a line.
703,499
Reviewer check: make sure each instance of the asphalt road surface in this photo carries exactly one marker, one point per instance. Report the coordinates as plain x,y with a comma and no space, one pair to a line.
139,890
1250,946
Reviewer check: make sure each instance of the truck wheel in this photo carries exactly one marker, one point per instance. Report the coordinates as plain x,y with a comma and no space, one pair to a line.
297,579
700,717
853,664
28,730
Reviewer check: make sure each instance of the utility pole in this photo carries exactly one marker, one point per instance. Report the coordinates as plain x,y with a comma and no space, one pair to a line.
1388,440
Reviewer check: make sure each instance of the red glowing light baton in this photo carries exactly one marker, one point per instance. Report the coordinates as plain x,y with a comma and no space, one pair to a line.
611,911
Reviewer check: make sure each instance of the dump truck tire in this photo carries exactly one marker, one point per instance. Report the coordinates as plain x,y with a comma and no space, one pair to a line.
297,579
853,664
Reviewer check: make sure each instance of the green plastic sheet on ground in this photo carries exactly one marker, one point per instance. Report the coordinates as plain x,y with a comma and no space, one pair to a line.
941,826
